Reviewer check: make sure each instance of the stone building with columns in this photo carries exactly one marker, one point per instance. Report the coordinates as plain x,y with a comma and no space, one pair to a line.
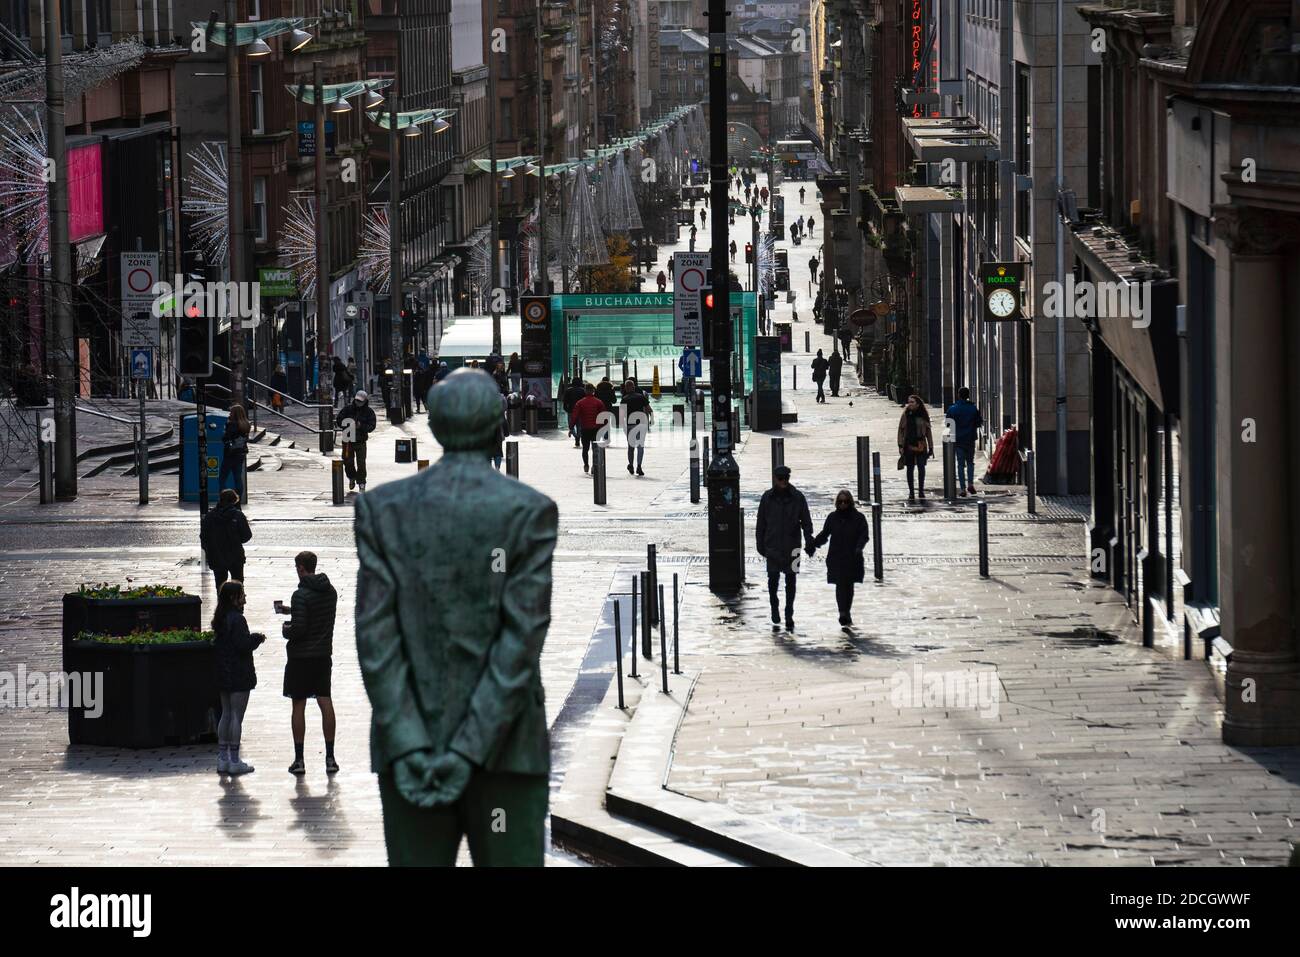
1196,514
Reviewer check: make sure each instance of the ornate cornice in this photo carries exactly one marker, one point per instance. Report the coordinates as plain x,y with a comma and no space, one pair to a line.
1254,231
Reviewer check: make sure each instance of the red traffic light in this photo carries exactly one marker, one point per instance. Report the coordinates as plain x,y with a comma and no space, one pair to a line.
708,300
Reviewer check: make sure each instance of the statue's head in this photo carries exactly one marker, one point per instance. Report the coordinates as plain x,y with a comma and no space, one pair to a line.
464,411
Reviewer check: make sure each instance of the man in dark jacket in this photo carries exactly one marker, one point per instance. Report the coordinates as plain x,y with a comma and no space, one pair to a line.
835,365
819,367
782,516
605,393
966,420
222,534
310,634
356,421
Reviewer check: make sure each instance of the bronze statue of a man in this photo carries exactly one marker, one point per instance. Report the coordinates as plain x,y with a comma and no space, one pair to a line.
453,603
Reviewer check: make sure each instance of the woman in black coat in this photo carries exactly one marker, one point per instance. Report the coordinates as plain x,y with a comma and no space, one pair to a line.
236,676
846,529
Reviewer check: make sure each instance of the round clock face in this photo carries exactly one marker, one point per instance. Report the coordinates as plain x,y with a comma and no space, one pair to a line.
1001,303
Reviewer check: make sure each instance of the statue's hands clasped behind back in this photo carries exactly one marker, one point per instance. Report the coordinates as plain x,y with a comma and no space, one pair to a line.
428,780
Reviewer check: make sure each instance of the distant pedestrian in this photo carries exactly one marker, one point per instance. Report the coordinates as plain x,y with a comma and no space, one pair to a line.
846,339
222,534
915,444
442,373
341,381
783,521
353,378
670,267
846,530
810,225
605,393
692,249
498,447
819,368
703,214
421,383
310,649
817,306
280,383
234,450
763,194
798,223
662,280
966,420
801,192
732,249
515,370
835,365
233,647
812,267
385,382
591,414
638,416
500,378
356,420
570,398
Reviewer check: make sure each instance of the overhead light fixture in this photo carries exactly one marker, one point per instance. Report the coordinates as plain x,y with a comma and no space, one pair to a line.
341,105
412,130
530,168
373,100
509,173
258,47
298,39
441,126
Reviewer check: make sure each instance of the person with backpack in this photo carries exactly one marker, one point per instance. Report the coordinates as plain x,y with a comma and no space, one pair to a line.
819,367
966,420
846,530
782,517
915,443
309,647
638,416
835,365
233,647
234,450
222,534
356,421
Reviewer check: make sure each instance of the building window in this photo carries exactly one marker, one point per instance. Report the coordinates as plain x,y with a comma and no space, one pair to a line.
256,117
259,206
507,119
254,9
103,16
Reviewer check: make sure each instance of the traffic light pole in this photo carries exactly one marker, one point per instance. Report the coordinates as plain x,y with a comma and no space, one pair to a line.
726,531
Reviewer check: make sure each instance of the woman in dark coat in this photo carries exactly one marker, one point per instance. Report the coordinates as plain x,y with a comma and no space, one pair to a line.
234,450
846,529
915,443
236,676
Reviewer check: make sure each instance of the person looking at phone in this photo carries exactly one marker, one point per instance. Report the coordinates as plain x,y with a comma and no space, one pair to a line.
310,634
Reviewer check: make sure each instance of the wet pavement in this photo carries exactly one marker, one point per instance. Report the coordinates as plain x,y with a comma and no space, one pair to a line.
1100,752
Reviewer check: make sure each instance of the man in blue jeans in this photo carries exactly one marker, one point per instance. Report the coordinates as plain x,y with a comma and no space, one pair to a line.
966,418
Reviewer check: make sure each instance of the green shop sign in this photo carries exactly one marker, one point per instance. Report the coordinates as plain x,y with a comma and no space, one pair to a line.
277,282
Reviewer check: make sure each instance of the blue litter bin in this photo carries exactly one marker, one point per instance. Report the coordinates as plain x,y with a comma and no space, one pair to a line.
189,471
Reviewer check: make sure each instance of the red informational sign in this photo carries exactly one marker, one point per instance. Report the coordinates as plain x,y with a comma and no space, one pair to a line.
85,192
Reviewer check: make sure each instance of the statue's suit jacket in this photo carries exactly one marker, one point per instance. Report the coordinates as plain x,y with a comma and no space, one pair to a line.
453,603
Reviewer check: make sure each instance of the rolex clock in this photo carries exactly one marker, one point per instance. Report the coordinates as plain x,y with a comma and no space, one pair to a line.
1000,288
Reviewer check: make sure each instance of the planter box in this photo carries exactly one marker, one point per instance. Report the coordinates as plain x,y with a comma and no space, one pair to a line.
153,695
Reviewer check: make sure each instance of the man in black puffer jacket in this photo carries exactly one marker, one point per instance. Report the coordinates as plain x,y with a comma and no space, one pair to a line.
310,634
783,518
222,534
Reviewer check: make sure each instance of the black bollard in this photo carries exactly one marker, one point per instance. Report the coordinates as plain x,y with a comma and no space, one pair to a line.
652,567
877,552
677,666
632,643
949,471
512,459
1031,483
875,473
864,478
618,652
663,644
695,472
598,473
807,341
984,538
45,468
647,648
336,481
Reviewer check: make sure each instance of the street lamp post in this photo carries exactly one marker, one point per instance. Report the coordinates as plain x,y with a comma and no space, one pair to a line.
542,286
494,261
726,528
64,339
235,195
395,252
323,344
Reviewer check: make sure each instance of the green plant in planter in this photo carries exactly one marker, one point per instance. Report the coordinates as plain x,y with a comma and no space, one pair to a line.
105,590
171,636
